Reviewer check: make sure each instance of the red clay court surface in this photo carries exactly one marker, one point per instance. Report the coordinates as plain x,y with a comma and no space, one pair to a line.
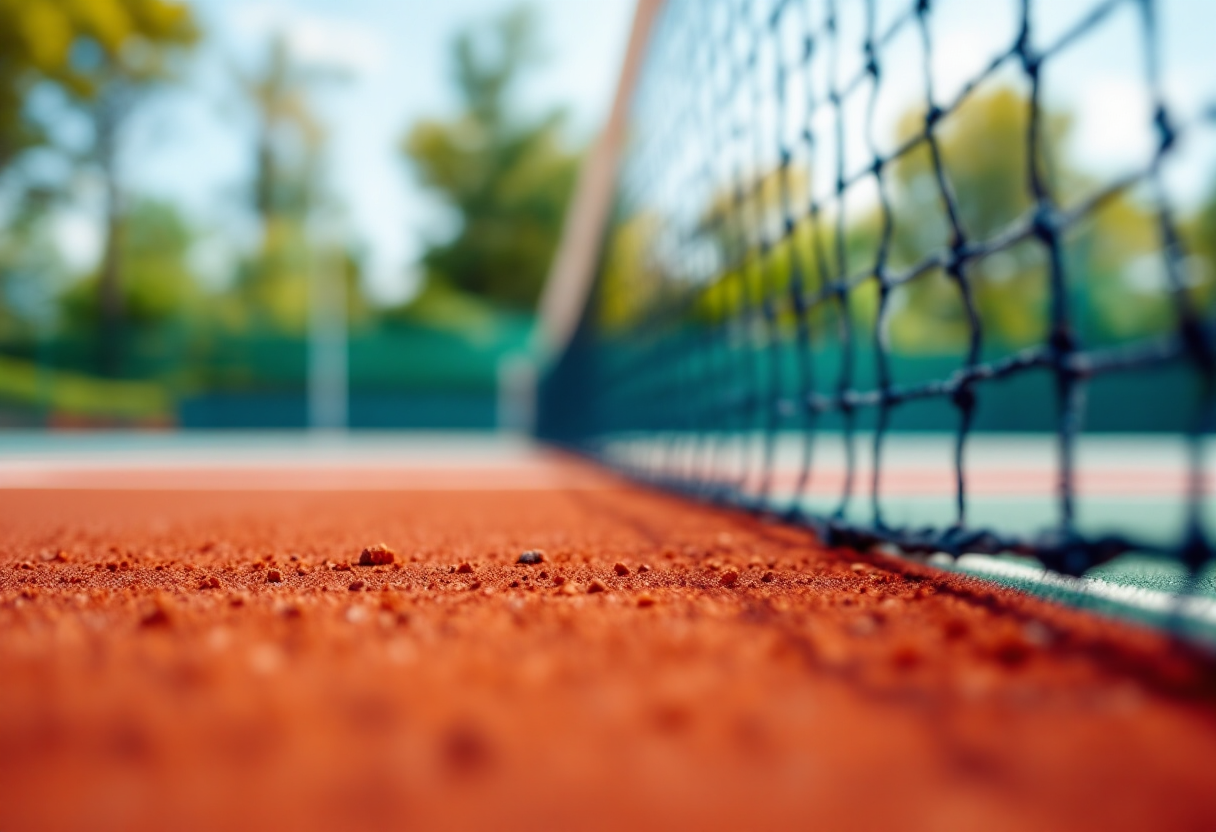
157,677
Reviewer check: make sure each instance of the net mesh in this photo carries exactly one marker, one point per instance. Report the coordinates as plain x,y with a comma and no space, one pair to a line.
771,237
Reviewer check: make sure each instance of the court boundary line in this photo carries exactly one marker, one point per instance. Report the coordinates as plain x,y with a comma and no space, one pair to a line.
1153,606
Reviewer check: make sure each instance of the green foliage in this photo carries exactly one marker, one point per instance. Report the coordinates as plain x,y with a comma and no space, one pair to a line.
144,305
984,157
507,179
81,45
105,55
272,284
289,134
22,59
272,291
67,393
442,307
984,153
1113,259
634,279
158,285
31,272
1117,282
272,287
630,282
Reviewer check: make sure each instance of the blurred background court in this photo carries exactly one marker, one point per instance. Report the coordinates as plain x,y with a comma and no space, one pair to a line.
227,214
280,215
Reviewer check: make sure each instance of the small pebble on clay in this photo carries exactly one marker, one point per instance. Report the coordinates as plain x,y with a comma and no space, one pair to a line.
464,568
596,585
377,555
356,585
646,600
210,582
532,557
767,577
643,569
729,578
274,576
620,568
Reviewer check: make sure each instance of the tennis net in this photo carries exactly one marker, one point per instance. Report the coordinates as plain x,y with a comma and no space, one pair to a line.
826,224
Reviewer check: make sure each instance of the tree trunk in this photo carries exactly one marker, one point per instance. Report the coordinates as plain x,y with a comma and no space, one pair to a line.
265,176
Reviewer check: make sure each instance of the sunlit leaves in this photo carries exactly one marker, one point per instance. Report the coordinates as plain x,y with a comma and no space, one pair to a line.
504,177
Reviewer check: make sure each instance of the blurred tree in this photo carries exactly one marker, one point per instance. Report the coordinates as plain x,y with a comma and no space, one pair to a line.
1116,274
105,54
36,38
21,60
159,287
630,282
126,49
289,141
288,135
31,272
818,252
984,156
506,176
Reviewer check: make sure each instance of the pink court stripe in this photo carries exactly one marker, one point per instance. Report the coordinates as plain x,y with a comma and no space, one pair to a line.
543,474
992,483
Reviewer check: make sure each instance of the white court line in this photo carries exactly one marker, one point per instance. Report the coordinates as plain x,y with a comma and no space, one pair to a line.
1196,608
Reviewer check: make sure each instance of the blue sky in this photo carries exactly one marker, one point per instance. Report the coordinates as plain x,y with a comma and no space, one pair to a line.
193,144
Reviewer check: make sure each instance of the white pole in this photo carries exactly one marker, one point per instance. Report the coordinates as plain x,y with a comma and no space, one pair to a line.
517,394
